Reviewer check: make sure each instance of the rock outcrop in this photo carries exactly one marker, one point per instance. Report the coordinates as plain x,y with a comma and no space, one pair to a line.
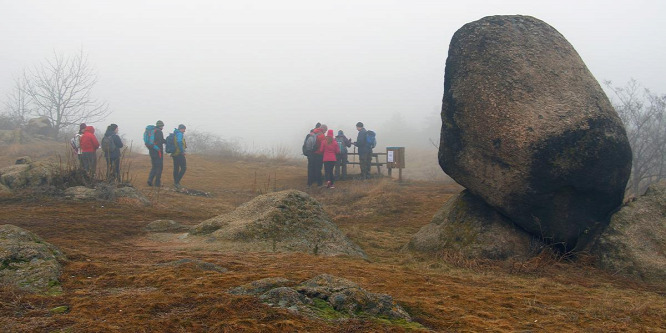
527,128
105,192
39,127
26,173
467,225
322,295
27,262
634,244
282,221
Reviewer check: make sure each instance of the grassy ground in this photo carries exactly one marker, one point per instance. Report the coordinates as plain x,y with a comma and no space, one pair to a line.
113,280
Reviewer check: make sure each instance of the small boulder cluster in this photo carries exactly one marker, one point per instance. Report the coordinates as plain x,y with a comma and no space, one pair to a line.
324,296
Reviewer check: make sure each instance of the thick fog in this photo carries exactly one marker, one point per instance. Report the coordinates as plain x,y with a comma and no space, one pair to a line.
266,71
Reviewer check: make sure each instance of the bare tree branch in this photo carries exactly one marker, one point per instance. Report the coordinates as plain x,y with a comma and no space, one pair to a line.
644,116
61,90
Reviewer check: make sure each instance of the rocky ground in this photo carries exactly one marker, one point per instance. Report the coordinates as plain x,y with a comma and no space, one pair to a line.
126,273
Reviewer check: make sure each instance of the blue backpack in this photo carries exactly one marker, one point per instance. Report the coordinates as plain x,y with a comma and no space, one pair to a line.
170,147
370,138
341,145
149,136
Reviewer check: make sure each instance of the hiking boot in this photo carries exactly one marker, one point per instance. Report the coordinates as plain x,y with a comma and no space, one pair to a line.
332,186
176,185
150,183
328,183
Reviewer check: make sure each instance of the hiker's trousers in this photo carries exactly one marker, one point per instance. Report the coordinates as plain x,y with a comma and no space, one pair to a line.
157,164
179,167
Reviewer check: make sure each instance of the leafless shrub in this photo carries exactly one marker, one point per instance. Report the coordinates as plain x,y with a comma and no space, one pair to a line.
644,116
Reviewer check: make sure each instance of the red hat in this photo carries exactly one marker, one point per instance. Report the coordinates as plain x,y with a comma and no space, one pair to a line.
329,133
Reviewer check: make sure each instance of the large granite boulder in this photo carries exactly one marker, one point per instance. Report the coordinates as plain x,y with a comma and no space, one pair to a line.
289,221
526,127
634,244
467,225
27,262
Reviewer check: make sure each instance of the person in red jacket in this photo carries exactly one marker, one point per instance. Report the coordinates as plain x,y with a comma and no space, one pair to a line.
89,146
329,149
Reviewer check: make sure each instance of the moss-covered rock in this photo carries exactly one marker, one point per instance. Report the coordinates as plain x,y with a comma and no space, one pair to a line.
27,262
283,221
327,297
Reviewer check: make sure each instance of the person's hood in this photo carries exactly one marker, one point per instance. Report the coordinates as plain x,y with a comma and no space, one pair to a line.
90,129
109,133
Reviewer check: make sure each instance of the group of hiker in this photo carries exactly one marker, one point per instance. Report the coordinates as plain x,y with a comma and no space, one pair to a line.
324,150
85,146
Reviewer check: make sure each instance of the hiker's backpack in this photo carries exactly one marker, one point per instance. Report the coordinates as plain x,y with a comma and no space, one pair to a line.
170,147
370,138
76,143
310,144
341,144
149,136
108,145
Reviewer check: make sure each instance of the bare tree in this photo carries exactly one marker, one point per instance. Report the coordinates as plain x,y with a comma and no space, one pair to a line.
17,106
644,116
61,90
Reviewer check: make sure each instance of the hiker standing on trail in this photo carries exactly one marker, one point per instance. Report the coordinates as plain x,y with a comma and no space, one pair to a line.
76,144
156,152
111,145
329,149
342,158
89,145
178,156
309,148
319,157
364,150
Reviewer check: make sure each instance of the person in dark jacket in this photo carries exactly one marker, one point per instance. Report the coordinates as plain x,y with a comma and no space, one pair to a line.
342,158
89,145
364,150
157,156
112,156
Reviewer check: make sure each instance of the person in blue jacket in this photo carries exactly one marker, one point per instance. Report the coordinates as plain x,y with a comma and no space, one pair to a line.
178,156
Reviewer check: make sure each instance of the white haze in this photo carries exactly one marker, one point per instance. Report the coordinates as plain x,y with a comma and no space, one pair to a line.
267,71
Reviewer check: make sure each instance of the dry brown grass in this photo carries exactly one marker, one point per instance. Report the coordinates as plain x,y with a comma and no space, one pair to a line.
114,282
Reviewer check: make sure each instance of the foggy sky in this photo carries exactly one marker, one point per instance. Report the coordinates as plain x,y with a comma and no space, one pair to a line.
267,71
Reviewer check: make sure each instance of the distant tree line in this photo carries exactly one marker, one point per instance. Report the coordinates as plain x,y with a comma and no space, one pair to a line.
60,89
644,116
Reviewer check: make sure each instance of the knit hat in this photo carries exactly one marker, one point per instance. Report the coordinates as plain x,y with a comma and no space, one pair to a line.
181,126
359,124
329,133
341,133
82,126
159,123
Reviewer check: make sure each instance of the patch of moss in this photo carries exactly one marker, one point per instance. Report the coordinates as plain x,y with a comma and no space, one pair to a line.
60,309
325,310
